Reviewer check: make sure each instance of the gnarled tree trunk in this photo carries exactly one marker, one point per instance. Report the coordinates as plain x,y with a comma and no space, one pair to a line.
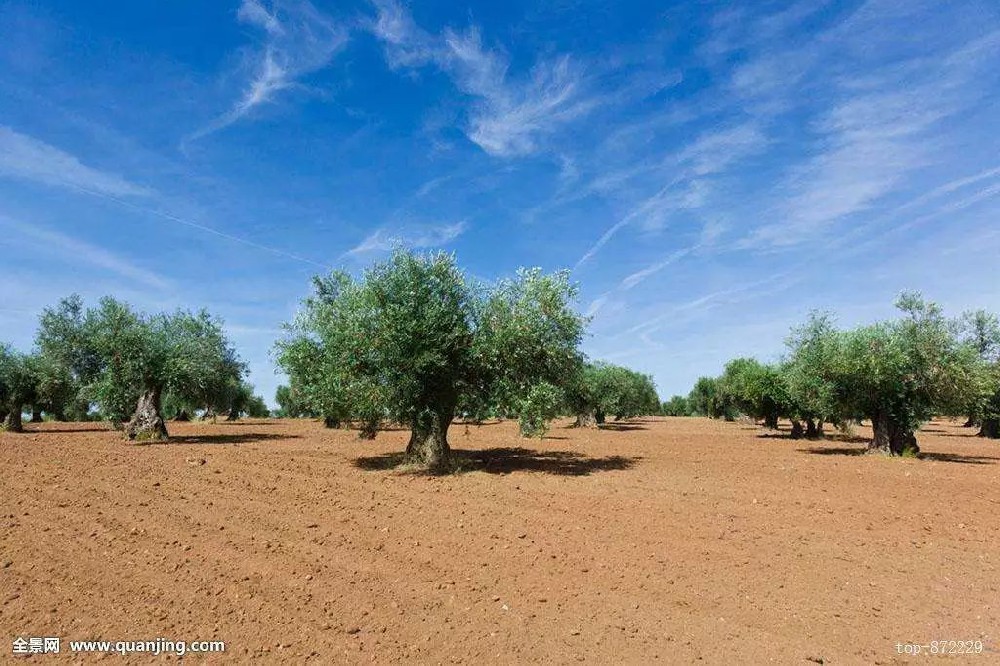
797,430
990,428
12,421
892,437
771,421
428,446
586,420
814,428
599,417
36,415
331,422
234,414
182,416
147,422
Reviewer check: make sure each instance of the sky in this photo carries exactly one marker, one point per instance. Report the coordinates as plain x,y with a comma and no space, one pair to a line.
710,172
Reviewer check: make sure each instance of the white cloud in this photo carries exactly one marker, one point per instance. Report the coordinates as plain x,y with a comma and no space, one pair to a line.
299,40
22,156
509,116
647,272
414,236
74,250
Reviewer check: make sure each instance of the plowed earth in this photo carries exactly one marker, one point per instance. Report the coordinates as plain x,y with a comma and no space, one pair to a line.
656,539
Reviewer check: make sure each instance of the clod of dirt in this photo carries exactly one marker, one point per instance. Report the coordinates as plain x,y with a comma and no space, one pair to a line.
354,630
194,462
7,564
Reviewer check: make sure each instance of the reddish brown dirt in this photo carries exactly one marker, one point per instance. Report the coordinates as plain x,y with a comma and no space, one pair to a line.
669,539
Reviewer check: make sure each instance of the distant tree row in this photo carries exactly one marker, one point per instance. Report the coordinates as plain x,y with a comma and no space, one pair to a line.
413,341
896,374
132,369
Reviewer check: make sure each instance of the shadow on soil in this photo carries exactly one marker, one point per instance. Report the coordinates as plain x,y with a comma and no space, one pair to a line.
940,457
829,437
507,460
621,427
242,438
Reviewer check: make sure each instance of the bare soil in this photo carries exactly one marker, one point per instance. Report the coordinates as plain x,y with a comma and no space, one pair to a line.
671,539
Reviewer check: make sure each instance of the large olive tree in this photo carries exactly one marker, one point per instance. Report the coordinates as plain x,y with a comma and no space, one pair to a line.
899,373
412,341
141,357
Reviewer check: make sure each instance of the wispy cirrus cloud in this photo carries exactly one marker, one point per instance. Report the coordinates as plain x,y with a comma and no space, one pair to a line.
27,158
412,235
510,116
298,40
74,250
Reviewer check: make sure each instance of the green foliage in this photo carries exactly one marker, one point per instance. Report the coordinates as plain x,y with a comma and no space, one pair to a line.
903,370
256,408
810,371
68,360
606,389
291,404
537,408
184,354
756,389
17,384
708,398
413,342
676,406
897,373
526,333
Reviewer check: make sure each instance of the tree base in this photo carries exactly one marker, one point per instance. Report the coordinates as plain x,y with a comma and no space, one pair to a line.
892,438
12,422
990,429
585,420
147,424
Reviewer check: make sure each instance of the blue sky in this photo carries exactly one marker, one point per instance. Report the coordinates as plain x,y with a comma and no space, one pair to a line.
710,171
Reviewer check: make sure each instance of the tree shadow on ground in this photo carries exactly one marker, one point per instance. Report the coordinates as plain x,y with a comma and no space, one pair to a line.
621,427
508,460
242,438
827,437
96,427
926,455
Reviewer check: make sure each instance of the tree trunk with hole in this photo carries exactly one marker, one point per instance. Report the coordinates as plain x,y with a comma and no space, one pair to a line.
797,430
36,415
891,437
990,428
234,414
586,420
428,446
147,423
12,422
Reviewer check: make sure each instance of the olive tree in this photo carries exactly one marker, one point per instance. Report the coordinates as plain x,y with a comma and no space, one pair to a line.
17,388
676,406
67,360
601,389
412,340
899,373
757,390
707,398
141,357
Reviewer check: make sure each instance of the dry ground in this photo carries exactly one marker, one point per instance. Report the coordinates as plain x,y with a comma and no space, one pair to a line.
668,539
